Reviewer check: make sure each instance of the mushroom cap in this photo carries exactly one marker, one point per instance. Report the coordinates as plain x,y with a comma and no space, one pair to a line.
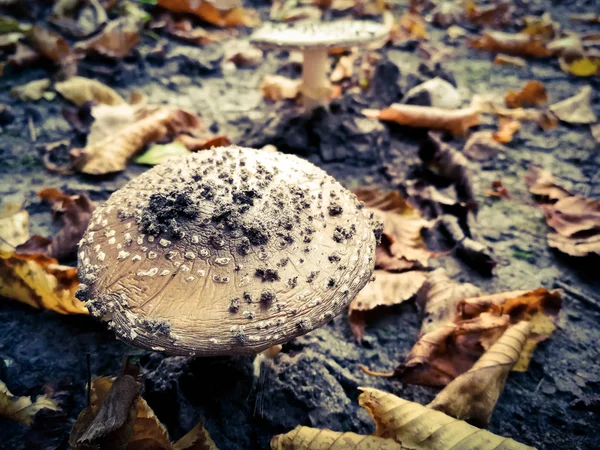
226,251
318,35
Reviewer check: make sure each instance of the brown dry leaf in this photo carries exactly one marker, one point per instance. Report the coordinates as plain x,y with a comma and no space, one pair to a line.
195,144
572,215
196,439
507,60
472,396
493,104
306,438
498,190
507,127
542,27
519,44
22,409
23,56
184,30
574,245
75,214
344,68
532,94
542,184
539,307
402,246
78,19
116,41
408,27
457,121
417,427
80,90
39,281
481,146
577,109
119,132
54,47
388,289
493,15
32,91
277,87
446,162
439,298
444,353
222,14
14,226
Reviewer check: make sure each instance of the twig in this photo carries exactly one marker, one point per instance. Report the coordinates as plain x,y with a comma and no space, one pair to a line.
576,294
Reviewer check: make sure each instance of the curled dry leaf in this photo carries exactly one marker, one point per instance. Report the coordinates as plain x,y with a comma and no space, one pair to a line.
472,396
277,87
39,281
116,41
222,14
439,298
493,15
542,184
498,190
119,132
306,438
520,44
388,289
22,409
54,47
532,94
80,90
417,427
507,128
76,212
402,246
481,146
576,109
32,91
196,143
184,30
507,60
78,19
344,68
14,223
457,121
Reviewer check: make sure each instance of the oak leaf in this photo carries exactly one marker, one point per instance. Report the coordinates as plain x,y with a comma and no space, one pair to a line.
520,44
387,289
417,427
39,281
80,90
401,247
455,121
222,14
119,132
22,409
577,109
472,396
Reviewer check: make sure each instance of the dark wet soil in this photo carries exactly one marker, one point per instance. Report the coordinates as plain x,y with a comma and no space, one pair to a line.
314,381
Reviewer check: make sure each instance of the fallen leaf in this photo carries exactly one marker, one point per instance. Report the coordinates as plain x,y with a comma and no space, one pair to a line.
575,246
585,17
420,428
438,299
158,153
80,90
456,121
290,12
223,14
116,40
540,308
119,132
54,47
242,53
388,289
532,94
195,143
10,25
196,439
78,19
447,14
23,56
572,215
493,104
409,26
584,66
184,30
75,214
14,223
493,15
306,438
446,162
507,128
32,91
22,409
595,130
541,27
472,396
542,184
498,190
520,44
507,60
481,146
277,87
39,281
576,109
344,68
402,247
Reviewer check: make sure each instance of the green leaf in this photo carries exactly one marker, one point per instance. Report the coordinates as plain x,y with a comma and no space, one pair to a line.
10,25
159,153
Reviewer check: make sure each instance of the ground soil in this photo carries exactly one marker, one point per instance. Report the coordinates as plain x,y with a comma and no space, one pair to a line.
314,381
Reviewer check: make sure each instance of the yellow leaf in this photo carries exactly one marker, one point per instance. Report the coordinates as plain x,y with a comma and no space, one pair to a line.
32,91
420,428
39,281
22,409
14,227
196,439
582,67
305,438
80,90
473,395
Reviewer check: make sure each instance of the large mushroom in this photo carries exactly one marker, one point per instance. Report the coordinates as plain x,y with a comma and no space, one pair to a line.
315,39
226,251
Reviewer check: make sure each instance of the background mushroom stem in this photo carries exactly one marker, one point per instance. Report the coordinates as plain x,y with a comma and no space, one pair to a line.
315,83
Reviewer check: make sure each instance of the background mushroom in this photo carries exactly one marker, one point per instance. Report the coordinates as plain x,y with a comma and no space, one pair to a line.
227,251
314,39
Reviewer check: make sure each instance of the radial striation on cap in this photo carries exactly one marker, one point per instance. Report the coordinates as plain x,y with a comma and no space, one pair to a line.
226,251
316,35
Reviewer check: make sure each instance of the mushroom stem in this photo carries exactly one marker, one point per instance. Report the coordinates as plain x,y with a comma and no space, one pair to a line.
315,83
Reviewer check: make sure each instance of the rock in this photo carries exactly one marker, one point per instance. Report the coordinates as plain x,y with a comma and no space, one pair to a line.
384,88
435,92
7,115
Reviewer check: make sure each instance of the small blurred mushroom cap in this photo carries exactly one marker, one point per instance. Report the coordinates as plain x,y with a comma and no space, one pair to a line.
318,35
226,251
